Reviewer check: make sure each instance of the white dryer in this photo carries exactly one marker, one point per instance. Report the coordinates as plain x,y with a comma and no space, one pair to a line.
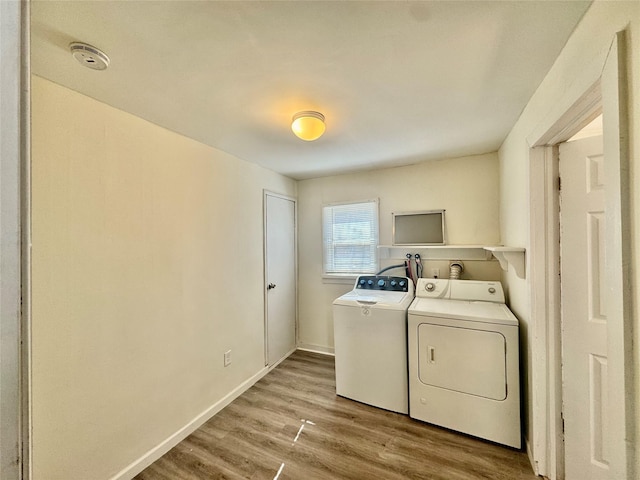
464,359
370,337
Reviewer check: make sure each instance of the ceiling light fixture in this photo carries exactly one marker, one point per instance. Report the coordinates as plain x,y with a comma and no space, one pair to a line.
308,125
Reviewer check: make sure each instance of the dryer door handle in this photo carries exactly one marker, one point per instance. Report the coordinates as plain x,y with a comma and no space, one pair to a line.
431,354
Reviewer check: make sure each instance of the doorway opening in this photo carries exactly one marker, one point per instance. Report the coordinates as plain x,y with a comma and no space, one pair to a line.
606,95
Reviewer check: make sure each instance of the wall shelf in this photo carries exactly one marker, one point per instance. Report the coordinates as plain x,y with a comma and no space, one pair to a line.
436,252
506,256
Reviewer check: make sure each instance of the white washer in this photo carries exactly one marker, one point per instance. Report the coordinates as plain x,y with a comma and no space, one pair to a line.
370,336
464,359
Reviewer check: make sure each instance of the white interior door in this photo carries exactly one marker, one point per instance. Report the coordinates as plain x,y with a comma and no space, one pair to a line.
280,276
584,319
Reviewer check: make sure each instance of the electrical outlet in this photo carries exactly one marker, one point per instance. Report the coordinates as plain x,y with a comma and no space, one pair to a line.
227,358
435,272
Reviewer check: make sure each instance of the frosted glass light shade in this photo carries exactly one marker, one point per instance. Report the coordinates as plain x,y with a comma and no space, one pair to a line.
308,125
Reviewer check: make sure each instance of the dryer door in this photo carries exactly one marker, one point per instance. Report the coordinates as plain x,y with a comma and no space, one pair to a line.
463,360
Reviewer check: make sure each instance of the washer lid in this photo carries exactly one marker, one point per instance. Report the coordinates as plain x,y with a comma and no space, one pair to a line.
379,299
486,312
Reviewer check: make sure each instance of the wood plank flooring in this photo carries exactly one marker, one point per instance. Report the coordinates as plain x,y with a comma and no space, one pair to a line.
292,426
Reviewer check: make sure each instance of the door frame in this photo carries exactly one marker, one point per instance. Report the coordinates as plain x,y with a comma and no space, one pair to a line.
14,240
268,193
606,93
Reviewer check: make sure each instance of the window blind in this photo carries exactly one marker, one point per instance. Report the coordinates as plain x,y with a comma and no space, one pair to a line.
350,238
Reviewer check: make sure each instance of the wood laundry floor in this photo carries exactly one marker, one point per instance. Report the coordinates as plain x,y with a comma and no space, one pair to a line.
292,426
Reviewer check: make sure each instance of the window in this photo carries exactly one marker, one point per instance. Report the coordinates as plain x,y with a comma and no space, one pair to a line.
350,238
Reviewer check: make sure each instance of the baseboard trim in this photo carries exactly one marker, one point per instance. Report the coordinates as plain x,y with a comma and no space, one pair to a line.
316,349
534,464
271,367
155,453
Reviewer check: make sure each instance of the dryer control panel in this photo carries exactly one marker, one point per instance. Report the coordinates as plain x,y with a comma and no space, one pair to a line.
433,288
383,282
470,290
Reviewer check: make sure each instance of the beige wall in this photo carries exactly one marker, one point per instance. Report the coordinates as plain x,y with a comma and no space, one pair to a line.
467,188
578,65
147,266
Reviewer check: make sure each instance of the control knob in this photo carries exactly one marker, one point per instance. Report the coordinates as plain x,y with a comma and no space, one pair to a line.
381,283
430,287
369,282
362,281
402,283
393,283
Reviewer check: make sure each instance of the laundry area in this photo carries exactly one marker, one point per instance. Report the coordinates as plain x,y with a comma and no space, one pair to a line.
283,240
449,356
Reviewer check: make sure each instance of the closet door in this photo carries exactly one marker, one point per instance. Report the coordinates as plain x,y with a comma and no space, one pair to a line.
280,277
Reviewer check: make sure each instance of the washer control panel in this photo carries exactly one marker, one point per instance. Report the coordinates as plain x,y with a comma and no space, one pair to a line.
382,282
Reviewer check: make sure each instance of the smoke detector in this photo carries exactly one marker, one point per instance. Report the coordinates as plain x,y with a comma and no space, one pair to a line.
89,56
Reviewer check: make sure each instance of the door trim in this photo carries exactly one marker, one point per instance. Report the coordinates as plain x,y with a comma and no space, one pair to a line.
25,216
608,89
267,193
544,270
618,253
14,240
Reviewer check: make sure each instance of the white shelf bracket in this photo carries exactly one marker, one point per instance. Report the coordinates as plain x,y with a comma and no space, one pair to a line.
510,256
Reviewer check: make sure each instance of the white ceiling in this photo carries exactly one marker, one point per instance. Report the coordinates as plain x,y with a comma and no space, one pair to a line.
398,81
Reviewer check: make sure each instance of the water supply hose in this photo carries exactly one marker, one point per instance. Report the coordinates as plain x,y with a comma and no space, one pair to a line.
402,265
419,267
409,269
